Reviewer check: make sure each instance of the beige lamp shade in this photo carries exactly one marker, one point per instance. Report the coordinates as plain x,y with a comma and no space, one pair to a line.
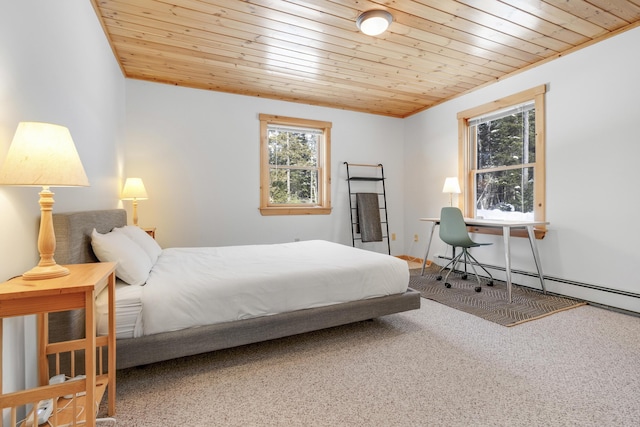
134,189
451,185
43,154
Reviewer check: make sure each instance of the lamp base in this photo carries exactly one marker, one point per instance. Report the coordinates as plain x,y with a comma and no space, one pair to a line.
47,268
45,272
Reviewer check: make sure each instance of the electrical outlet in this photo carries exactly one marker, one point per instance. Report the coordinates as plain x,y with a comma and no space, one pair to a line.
415,238
393,236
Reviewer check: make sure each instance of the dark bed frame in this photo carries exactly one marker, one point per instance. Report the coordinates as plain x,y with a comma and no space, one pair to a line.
73,246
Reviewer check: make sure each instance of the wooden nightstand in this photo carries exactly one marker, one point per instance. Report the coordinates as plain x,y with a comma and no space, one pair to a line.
151,231
77,290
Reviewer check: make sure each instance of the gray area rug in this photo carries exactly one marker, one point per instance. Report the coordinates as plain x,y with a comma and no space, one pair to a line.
491,303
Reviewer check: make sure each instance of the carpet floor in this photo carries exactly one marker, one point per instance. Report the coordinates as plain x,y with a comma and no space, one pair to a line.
433,367
491,303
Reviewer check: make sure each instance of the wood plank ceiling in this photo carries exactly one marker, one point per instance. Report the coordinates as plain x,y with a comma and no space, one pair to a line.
311,51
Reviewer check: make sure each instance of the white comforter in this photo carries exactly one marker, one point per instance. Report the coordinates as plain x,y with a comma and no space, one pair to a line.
190,287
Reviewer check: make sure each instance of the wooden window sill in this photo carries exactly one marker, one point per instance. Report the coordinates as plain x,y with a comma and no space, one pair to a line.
288,210
515,232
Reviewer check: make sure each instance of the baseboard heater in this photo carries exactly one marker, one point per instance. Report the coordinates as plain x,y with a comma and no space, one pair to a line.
558,280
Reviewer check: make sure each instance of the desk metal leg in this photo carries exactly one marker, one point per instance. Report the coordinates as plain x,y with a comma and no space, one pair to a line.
424,262
536,256
506,236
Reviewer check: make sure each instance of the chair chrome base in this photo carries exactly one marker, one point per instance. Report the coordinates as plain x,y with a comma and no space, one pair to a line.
467,260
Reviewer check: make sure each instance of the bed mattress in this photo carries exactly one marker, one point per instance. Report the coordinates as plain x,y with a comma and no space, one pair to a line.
128,305
191,287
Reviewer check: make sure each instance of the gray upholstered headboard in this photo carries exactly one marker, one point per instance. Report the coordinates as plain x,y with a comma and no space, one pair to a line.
73,233
73,246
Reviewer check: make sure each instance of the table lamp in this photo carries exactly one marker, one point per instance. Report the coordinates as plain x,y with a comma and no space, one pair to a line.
451,186
134,190
43,155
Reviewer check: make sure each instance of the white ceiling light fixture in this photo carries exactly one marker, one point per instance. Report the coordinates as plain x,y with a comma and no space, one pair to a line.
374,22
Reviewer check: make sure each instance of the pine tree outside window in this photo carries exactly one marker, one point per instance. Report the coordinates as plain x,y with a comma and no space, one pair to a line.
502,158
295,172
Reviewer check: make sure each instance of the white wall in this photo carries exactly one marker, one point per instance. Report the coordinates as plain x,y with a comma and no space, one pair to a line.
592,156
55,66
198,155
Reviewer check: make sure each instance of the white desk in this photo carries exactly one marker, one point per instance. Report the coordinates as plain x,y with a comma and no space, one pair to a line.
506,227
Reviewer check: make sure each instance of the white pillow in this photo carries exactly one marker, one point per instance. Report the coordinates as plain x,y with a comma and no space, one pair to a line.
134,264
146,242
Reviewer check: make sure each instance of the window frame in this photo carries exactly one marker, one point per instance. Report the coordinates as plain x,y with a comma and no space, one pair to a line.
467,164
323,207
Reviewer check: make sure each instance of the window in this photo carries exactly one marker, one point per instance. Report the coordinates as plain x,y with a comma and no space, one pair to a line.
295,175
502,158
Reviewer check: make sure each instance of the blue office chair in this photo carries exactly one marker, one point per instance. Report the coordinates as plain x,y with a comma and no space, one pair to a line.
453,231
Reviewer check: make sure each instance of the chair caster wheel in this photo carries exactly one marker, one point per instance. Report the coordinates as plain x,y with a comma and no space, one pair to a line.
478,288
490,283
464,277
447,285
439,278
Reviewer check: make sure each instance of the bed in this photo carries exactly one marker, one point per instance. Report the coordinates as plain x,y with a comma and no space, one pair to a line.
278,306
